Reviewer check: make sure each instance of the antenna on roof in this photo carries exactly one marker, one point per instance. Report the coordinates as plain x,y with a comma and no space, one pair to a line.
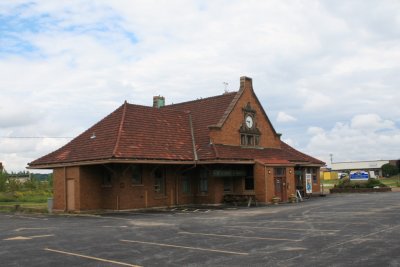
225,87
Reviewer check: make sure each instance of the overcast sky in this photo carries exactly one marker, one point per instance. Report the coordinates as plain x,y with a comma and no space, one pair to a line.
326,72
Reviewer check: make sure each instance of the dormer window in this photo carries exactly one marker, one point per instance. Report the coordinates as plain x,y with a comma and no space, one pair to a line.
249,139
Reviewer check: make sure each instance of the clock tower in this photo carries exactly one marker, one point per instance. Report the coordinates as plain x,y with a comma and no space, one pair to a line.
249,133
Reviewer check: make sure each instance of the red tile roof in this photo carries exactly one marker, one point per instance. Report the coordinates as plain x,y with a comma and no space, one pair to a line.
135,132
204,112
285,154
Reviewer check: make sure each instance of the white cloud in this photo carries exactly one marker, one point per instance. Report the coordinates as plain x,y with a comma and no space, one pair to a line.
315,130
365,137
284,117
289,141
371,122
64,66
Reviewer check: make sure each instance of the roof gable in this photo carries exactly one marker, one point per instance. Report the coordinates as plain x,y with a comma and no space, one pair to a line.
229,128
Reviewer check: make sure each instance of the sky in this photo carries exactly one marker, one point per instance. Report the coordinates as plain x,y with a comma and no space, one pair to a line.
326,72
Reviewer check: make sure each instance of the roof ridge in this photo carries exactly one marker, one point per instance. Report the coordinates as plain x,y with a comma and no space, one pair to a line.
200,99
120,128
230,107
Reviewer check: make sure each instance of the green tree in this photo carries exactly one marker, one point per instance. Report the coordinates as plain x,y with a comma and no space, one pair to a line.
14,185
3,181
389,170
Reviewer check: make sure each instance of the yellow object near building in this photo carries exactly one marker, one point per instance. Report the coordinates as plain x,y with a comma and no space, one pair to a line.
328,175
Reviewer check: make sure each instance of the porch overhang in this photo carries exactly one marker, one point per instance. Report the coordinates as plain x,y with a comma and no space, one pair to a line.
136,161
275,162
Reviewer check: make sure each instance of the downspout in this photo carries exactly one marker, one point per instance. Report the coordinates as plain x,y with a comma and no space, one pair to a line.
193,141
65,189
266,183
196,158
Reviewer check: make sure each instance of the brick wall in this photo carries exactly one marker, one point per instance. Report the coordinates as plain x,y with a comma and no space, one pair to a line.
229,132
58,189
90,188
121,194
260,185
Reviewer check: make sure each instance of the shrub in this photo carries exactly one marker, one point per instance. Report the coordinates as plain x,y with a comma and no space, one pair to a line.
3,181
371,183
374,182
346,183
389,170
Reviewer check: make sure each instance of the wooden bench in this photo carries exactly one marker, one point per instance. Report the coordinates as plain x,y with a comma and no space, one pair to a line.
240,199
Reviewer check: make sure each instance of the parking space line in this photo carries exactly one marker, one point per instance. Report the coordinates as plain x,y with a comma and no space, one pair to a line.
192,248
26,237
316,222
32,218
32,228
282,228
361,237
90,257
275,221
239,236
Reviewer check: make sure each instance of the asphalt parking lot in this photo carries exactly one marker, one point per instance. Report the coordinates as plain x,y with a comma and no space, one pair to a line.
337,230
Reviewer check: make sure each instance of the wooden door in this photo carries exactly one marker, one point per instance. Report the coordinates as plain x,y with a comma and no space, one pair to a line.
280,186
70,194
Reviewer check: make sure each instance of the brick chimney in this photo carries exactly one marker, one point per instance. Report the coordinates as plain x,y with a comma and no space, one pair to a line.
246,82
158,101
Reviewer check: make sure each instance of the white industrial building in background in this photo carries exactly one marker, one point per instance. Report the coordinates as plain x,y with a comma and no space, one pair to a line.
373,167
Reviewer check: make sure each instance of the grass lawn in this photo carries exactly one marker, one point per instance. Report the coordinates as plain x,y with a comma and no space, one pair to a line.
329,183
23,206
29,201
393,181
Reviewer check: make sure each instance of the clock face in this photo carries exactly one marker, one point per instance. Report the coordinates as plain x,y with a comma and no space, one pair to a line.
249,121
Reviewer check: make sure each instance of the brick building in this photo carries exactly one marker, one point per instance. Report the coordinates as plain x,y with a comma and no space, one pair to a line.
194,152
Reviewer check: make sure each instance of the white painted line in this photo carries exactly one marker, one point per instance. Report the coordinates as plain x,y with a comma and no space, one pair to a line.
116,218
192,248
26,237
282,228
34,218
33,228
284,222
361,237
239,236
304,222
90,257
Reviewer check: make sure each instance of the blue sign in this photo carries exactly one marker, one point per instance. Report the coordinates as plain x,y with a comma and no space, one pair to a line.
359,175
308,183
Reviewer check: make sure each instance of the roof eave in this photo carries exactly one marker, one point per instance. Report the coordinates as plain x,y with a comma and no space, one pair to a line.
107,161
